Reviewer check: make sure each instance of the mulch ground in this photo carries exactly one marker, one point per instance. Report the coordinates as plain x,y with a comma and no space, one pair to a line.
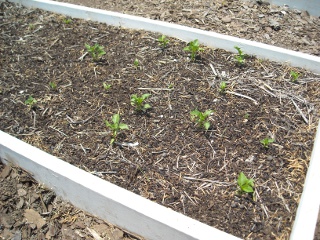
31,211
253,20
163,156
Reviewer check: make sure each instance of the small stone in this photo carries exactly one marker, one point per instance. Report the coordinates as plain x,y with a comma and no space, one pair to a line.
87,221
5,172
34,218
32,226
226,20
20,203
268,29
66,232
274,25
101,229
117,234
305,41
22,192
79,224
34,197
261,15
7,221
267,36
234,204
51,232
270,158
17,236
305,14
6,234
80,234
50,207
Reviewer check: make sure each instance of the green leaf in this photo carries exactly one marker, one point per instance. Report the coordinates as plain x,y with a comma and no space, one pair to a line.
116,118
145,96
195,112
250,182
207,113
246,188
242,179
146,106
123,126
108,124
206,125
186,48
245,184
30,101
106,86
266,141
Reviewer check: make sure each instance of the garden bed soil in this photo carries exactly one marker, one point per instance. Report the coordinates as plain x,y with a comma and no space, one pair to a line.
253,20
163,156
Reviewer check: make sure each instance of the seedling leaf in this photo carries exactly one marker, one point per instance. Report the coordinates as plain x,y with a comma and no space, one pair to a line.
245,184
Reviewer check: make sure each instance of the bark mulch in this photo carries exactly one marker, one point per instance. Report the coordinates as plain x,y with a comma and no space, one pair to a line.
53,97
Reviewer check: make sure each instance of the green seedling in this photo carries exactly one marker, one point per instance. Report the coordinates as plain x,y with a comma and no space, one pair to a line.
201,118
53,85
163,41
31,26
136,63
170,86
246,185
137,102
30,101
294,76
223,87
96,51
106,86
240,57
193,47
246,116
266,142
116,126
67,21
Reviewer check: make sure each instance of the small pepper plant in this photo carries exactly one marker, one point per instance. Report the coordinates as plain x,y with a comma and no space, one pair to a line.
240,57
30,101
266,142
96,51
245,185
116,126
294,76
201,118
223,87
138,102
194,48
163,41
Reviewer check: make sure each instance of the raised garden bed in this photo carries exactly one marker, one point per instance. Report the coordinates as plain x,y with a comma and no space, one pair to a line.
175,163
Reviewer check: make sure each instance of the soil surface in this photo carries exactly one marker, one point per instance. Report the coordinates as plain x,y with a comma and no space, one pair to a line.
52,96
30,211
252,20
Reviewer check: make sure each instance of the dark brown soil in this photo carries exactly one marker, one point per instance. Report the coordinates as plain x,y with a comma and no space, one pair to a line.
174,163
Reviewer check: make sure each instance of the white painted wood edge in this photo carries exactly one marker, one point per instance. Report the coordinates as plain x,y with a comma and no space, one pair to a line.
210,39
307,213
103,199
